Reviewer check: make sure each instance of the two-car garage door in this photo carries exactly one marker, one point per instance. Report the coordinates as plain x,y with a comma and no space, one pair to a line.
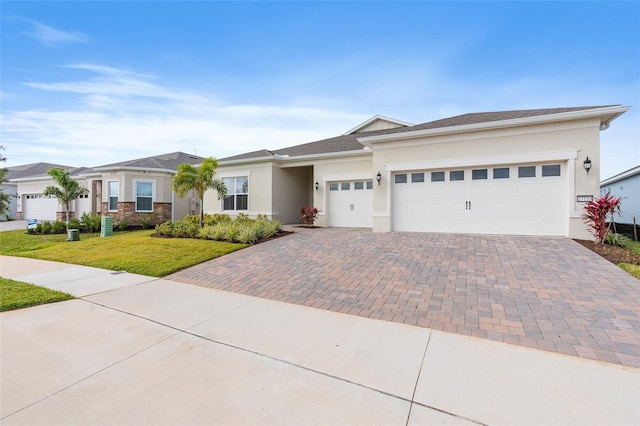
518,199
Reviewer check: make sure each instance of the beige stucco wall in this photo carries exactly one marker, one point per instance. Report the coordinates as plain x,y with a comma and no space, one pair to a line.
292,189
519,144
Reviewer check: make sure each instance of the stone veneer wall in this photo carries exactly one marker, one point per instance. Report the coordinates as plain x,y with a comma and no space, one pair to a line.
127,211
62,216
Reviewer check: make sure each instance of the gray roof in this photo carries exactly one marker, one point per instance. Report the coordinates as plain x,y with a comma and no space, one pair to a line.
166,161
350,142
34,170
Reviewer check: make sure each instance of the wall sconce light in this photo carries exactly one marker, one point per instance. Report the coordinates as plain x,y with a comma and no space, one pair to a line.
317,185
378,178
587,165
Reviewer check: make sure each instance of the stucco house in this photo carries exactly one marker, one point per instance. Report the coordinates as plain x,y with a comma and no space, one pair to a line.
126,189
627,186
510,172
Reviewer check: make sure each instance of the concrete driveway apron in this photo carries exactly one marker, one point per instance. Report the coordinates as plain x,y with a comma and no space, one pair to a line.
546,293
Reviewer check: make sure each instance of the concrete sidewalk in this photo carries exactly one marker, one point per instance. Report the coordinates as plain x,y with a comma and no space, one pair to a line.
139,350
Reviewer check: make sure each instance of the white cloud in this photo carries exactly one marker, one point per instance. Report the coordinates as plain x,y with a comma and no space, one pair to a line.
50,36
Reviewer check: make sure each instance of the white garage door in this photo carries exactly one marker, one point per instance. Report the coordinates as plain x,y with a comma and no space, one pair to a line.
37,206
83,205
351,204
517,200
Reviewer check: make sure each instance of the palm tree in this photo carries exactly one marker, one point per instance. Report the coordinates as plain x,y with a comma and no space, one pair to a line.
201,179
68,190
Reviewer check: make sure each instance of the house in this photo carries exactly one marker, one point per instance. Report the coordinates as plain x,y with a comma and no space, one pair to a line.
510,172
126,190
627,186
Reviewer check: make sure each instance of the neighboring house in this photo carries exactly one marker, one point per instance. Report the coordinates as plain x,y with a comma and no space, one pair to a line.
512,172
627,186
125,190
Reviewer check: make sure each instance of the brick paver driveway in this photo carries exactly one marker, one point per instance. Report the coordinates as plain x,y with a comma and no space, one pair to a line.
546,293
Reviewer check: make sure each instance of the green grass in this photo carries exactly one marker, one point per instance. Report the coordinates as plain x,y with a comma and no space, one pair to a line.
18,295
632,269
633,246
135,251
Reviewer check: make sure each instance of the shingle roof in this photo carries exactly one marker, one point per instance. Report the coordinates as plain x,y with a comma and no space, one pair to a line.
166,161
33,170
350,142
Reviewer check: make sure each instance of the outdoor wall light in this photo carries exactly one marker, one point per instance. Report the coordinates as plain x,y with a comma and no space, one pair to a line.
378,178
317,185
587,165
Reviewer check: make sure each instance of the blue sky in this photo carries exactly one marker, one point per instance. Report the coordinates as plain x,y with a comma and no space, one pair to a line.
90,83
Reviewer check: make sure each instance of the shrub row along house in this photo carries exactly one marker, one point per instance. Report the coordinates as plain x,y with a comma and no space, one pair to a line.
524,172
128,190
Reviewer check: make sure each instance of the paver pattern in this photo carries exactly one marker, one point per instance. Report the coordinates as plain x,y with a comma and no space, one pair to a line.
546,293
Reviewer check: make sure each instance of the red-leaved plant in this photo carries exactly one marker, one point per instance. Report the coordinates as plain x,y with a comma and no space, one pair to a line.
308,214
596,213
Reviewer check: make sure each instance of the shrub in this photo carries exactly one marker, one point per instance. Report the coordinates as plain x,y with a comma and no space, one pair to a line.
46,227
213,232
147,220
596,213
73,224
247,235
192,218
243,218
309,215
165,229
214,219
179,229
38,229
232,232
91,221
272,228
616,239
120,224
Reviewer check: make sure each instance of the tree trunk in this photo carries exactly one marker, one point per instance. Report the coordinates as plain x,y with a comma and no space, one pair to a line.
67,213
201,212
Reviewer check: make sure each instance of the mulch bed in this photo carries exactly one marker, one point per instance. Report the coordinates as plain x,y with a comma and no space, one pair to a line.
613,254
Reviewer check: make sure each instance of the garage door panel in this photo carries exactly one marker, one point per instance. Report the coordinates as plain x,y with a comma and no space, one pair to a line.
507,205
350,207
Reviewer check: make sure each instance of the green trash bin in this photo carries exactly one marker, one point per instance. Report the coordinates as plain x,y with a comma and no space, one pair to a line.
106,226
73,235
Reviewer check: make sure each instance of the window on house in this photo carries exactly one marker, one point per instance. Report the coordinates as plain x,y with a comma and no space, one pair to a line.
333,187
501,173
551,170
114,190
358,185
345,186
401,178
479,174
437,176
144,196
417,177
237,197
526,171
456,175
369,184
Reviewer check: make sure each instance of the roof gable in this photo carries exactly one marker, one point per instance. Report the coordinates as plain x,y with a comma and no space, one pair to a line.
378,122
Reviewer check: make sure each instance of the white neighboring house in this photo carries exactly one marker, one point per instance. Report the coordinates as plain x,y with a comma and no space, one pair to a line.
509,172
627,186
11,189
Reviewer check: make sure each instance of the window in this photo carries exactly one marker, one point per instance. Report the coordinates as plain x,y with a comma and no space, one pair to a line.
437,176
417,177
551,170
369,184
526,171
114,190
479,174
144,196
402,178
501,173
456,175
345,186
358,185
237,197
333,187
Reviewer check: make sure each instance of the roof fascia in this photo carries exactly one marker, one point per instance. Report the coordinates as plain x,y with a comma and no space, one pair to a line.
129,168
610,113
620,176
283,159
374,118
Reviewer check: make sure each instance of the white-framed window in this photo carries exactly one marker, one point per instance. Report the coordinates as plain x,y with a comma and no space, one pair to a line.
144,195
237,197
113,191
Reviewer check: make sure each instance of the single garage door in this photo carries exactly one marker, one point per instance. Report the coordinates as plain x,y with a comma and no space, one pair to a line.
351,204
517,200
37,206
83,205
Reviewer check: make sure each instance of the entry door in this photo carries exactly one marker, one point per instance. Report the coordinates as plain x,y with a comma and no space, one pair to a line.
351,204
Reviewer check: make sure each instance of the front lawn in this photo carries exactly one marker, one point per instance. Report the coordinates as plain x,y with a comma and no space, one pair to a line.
627,258
134,251
18,295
